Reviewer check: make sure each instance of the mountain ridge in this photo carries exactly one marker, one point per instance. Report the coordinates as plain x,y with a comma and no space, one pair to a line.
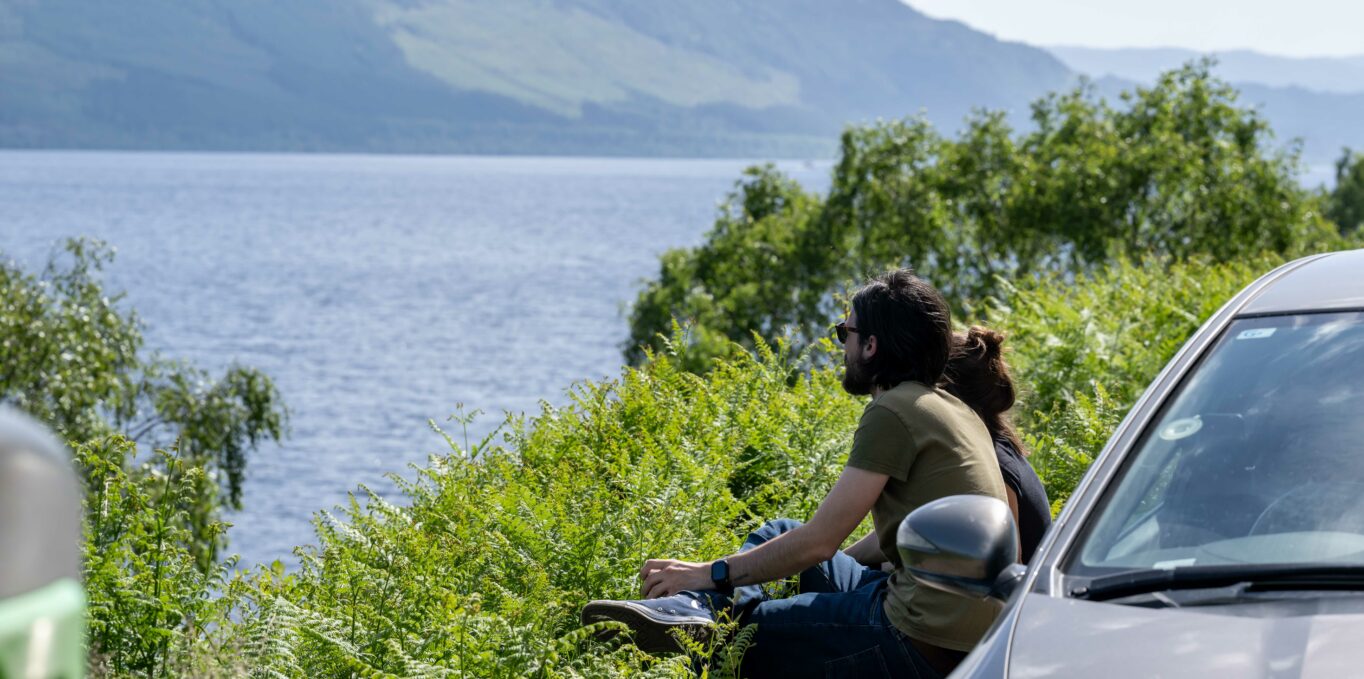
1336,75
559,77
598,76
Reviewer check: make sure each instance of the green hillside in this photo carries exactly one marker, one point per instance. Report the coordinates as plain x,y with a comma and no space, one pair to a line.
573,76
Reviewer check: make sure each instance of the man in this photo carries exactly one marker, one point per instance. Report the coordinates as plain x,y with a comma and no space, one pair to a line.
858,613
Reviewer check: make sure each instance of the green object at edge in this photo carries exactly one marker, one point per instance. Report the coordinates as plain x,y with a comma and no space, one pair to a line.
42,633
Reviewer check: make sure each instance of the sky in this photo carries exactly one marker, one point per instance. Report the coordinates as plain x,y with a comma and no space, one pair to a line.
1299,28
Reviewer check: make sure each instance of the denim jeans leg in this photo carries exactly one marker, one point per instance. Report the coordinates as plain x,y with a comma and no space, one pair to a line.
842,573
836,626
831,634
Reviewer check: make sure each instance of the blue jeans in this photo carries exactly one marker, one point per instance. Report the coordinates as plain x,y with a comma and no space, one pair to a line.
835,627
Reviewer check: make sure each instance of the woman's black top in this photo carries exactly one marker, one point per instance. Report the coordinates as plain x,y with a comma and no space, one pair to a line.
1034,512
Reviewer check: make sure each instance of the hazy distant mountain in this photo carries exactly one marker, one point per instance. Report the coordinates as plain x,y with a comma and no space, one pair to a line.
713,77
1342,75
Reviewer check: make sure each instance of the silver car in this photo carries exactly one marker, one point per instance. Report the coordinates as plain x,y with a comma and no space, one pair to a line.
1220,533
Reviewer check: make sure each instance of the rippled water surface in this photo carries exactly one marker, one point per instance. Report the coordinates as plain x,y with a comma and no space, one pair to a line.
378,291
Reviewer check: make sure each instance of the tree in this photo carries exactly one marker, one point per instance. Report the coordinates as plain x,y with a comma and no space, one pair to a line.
762,227
1345,204
1179,170
71,358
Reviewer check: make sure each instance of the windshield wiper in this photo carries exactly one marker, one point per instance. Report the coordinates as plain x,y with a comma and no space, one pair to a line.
1260,577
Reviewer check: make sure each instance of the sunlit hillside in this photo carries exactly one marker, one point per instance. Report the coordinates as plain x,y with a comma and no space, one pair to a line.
587,76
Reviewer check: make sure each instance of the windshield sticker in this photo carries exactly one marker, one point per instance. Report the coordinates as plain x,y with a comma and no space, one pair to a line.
1182,428
1173,563
1257,333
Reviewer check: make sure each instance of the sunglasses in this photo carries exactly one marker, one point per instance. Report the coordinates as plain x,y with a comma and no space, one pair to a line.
842,330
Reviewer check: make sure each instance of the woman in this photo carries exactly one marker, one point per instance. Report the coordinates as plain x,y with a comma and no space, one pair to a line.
977,374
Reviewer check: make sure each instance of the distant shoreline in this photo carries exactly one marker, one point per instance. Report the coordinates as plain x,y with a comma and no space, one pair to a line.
1313,174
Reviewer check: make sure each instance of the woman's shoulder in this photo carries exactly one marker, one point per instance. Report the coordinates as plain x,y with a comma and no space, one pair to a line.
1005,449
1012,464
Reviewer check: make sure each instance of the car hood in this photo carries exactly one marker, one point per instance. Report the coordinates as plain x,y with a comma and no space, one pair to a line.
1314,637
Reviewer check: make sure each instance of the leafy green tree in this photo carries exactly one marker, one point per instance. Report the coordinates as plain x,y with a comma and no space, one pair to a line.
67,355
1180,170
71,358
762,227
1345,204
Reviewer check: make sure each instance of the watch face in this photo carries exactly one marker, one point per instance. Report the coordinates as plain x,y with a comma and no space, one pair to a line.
719,571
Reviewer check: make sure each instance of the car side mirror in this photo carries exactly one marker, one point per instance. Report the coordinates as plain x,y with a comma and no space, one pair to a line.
42,602
964,544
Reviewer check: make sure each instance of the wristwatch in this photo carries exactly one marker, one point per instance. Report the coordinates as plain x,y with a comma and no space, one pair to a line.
719,575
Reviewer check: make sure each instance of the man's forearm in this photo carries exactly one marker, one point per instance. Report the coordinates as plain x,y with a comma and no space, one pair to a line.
846,505
781,557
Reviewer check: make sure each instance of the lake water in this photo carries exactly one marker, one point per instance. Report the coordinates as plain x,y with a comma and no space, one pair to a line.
378,291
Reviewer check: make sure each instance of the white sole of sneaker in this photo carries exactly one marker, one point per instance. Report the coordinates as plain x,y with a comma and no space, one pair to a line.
653,629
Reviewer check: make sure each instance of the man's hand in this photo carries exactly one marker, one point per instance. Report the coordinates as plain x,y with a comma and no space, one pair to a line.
666,577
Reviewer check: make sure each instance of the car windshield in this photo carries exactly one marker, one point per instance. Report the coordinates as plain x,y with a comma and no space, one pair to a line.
1257,459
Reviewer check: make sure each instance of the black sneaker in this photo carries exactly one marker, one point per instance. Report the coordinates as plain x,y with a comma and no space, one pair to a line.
653,620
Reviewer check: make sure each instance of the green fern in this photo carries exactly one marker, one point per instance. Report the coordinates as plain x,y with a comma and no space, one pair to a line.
733,655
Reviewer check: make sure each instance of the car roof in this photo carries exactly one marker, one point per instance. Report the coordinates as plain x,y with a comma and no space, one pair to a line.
1330,282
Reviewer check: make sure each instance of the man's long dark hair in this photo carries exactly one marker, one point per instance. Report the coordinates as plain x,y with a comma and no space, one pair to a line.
912,325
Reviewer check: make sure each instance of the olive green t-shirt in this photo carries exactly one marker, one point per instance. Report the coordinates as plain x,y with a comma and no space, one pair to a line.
931,445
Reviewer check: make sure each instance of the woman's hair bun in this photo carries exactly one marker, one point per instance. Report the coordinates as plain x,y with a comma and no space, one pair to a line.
991,342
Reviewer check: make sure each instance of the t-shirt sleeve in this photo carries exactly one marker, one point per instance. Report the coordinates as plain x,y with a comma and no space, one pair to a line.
882,444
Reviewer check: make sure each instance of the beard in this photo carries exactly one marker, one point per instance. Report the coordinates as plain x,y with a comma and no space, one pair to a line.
856,380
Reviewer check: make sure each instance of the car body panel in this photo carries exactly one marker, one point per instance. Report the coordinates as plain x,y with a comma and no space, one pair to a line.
1331,283
1312,637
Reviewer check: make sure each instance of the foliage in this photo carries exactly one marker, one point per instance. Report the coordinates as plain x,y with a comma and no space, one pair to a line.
152,604
1180,171
483,567
72,359
760,230
1345,204
69,356
481,563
